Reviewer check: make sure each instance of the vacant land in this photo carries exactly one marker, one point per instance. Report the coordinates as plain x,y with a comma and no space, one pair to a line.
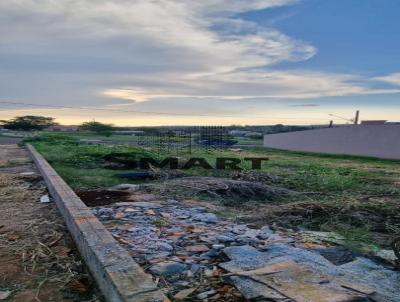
356,197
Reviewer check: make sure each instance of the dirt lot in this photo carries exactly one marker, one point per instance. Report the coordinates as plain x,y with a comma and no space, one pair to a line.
38,260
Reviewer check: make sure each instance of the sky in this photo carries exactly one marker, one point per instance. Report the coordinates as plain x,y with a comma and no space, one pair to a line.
210,62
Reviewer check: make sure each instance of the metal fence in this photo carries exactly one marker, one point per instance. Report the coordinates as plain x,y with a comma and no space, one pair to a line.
187,140
174,142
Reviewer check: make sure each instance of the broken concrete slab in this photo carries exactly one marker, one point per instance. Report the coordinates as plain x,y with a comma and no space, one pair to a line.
139,204
168,268
253,290
338,255
287,279
243,258
364,270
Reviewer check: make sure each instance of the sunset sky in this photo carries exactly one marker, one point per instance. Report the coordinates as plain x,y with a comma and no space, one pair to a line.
219,62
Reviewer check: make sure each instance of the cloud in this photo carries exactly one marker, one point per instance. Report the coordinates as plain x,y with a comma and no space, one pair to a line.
255,84
85,52
304,105
160,35
393,78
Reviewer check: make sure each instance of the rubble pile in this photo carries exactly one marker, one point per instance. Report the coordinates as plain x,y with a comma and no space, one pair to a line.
195,256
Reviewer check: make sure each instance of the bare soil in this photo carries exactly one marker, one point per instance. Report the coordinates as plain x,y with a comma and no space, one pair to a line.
102,197
38,259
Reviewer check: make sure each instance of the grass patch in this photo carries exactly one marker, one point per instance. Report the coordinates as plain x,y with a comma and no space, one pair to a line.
360,195
81,165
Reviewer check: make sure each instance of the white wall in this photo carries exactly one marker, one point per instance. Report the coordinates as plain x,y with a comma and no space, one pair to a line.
365,140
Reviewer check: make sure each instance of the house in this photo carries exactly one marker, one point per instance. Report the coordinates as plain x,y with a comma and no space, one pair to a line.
373,122
244,133
63,128
128,132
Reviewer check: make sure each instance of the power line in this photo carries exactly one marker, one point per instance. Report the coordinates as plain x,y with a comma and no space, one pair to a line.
97,109
144,112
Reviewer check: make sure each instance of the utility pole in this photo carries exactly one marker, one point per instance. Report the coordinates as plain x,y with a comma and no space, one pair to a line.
342,118
357,117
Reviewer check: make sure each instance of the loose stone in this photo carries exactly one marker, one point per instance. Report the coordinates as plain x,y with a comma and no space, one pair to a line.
168,268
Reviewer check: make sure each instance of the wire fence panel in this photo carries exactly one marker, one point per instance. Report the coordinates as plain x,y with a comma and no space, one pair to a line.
187,140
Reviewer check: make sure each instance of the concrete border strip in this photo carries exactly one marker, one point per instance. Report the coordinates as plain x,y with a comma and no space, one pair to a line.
118,276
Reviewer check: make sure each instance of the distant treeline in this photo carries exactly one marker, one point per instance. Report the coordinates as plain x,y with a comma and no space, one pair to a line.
265,129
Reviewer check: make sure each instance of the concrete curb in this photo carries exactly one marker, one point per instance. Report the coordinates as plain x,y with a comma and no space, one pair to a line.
118,276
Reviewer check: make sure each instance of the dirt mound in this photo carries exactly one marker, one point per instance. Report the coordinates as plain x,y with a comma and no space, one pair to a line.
256,176
120,160
291,214
381,224
229,189
102,197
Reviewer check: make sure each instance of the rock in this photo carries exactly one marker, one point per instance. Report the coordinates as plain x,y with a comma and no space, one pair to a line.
197,248
28,174
130,210
208,272
163,246
239,229
168,268
146,205
337,255
5,294
205,217
182,214
105,212
182,283
210,254
206,294
159,255
242,239
140,230
251,233
225,239
243,258
218,246
275,238
45,199
172,201
194,268
184,293
253,290
265,232
189,274
387,256
199,209
126,187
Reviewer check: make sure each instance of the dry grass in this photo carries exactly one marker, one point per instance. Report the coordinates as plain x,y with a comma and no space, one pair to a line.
35,240
15,189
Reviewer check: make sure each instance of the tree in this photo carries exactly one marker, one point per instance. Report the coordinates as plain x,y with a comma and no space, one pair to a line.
28,123
97,127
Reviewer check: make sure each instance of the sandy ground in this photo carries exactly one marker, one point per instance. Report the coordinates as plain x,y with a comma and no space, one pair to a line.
38,260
